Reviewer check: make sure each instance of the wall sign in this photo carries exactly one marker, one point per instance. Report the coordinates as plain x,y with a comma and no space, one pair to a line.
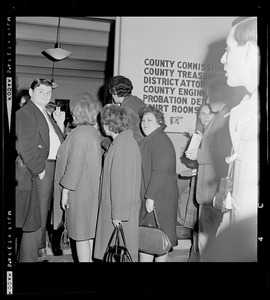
170,60
177,88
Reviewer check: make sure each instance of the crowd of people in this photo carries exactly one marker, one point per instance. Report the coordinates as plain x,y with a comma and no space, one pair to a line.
117,164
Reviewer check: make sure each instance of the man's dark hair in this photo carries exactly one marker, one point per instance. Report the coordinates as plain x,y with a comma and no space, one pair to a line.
39,81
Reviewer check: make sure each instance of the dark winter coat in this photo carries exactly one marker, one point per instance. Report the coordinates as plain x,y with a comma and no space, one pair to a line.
133,104
120,194
159,181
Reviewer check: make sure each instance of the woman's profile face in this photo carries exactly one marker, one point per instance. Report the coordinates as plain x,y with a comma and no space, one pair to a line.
149,123
205,115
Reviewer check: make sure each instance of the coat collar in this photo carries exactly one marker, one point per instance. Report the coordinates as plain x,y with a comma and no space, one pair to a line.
151,135
33,105
122,134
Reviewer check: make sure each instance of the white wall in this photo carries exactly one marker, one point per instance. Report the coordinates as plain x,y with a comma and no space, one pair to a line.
198,40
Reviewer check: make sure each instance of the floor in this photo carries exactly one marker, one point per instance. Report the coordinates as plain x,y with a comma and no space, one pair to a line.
180,253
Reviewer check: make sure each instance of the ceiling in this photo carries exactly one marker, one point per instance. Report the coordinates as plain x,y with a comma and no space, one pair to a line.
90,39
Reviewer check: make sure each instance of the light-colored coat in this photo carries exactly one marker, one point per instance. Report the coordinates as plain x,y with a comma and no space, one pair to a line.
244,133
120,194
78,169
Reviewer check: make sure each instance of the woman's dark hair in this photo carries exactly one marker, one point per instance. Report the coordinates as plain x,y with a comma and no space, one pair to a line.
156,112
120,86
199,125
219,85
201,106
115,117
216,84
39,81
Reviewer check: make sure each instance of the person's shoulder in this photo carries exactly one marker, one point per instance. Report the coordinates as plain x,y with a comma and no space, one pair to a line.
127,142
224,111
163,139
27,109
139,101
226,108
80,136
136,98
158,137
84,131
123,138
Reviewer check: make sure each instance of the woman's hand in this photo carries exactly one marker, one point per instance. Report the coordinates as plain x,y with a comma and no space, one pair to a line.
149,205
116,223
192,154
189,131
64,198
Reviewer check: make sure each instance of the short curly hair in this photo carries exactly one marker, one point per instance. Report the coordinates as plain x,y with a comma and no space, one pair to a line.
115,117
120,86
156,112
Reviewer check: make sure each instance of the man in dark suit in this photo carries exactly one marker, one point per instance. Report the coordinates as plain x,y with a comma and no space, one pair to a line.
214,148
38,138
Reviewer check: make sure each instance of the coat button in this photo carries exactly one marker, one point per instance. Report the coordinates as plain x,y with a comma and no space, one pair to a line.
39,146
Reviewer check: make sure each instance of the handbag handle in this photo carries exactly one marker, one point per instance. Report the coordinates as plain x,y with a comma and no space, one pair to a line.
122,234
112,236
65,219
155,216
116,231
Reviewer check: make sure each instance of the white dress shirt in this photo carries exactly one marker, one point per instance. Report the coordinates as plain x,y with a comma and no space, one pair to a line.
54,139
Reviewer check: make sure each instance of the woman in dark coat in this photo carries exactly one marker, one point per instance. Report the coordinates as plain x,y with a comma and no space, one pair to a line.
77,174
121,179
159,179
121,88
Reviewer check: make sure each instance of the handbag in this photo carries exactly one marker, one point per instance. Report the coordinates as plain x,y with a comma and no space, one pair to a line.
65,241
117,253
153,240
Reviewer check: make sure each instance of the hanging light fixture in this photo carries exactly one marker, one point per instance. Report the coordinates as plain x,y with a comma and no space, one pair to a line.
56,53
54,85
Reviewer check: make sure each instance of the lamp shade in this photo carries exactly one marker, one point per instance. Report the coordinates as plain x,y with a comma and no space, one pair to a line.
56,53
